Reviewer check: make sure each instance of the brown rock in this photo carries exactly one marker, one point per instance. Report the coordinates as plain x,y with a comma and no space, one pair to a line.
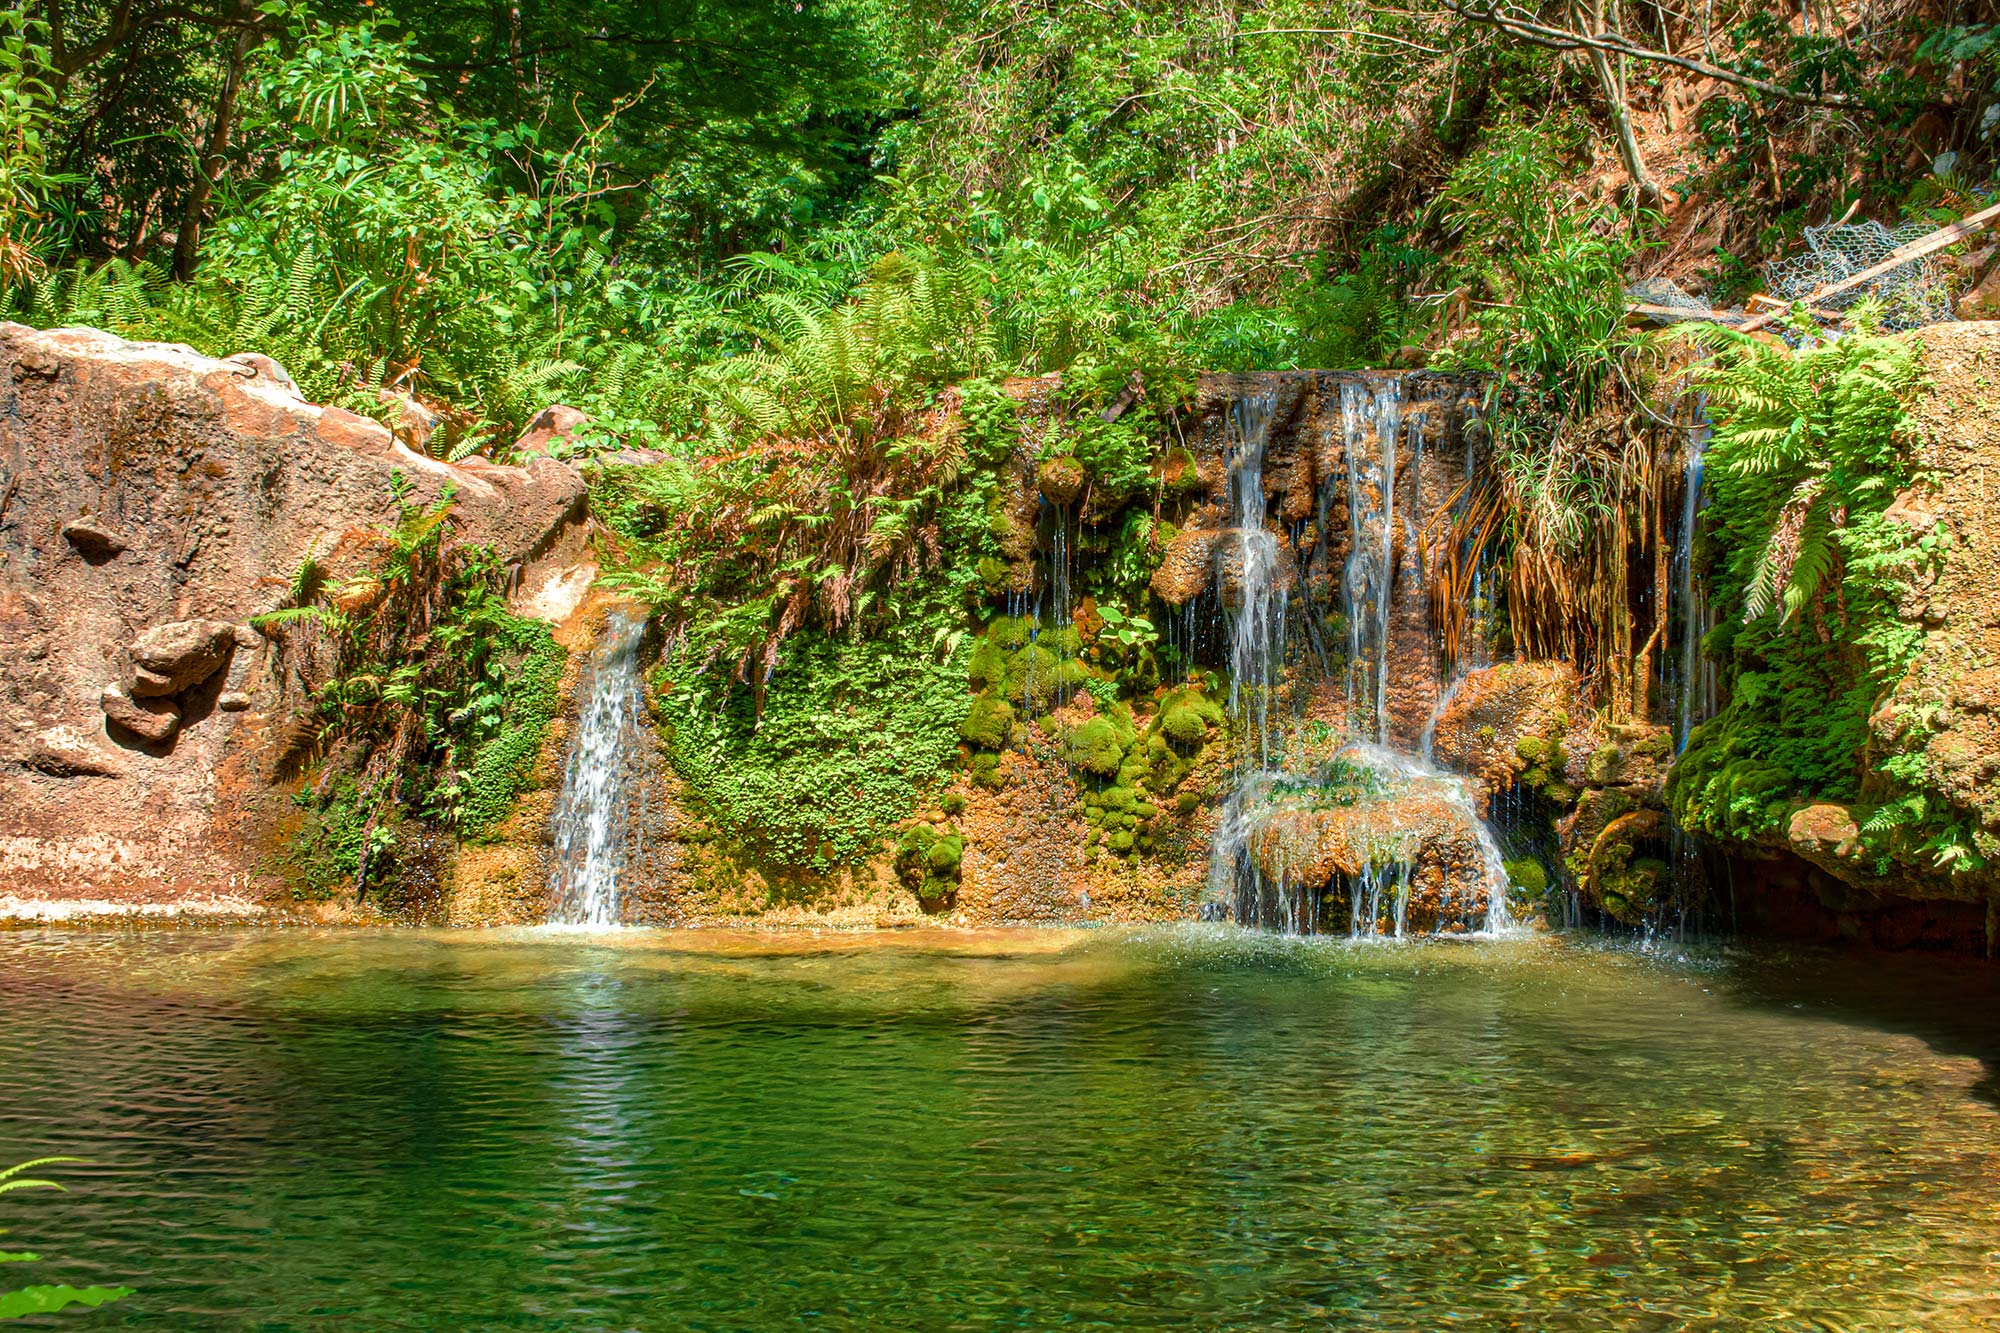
95,538
552,425
222,480
180,654
1060,479
154,720
411,421
1184,569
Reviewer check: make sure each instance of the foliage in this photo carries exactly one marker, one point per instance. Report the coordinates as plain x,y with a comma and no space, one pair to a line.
853,733
434,695
26,107
1809,452
44,1299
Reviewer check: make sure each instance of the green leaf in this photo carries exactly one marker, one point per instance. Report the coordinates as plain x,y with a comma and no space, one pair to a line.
48,1300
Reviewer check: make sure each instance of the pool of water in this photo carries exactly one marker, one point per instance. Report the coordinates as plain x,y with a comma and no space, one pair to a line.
1193,1128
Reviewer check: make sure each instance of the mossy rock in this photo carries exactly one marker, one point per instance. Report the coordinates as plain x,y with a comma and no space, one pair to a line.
1121,842
1145,809
989,724
1118,798
1606,766
1185,717
1187,803
945,855
1097,747
987,667
1534,752
1528,876
1060,479
953,803
1065,641
986,772
1010,633
993,572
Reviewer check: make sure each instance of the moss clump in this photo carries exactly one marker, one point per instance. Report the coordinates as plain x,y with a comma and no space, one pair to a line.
1185,717
928,864
1529,878
988,666
988,724
952,804
1010,633
1187,803
1533,750
986,772
1121,843
1097,747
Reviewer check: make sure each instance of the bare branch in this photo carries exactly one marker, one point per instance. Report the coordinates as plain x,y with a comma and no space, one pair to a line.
1519,23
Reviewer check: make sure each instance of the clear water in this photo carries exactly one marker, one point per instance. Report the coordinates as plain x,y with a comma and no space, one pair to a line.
1194,1128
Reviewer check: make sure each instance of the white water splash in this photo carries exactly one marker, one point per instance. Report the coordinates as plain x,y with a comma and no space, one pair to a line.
591,814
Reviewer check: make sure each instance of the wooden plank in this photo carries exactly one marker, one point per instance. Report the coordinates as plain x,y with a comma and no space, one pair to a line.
1897,257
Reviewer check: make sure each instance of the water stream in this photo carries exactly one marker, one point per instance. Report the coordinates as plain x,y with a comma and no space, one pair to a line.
593,827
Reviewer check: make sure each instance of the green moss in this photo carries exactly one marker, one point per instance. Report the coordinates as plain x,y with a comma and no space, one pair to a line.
1529,878
945,855
1096,747
502,765
986,772
1534,751
1010,633
1185,716
1187,803
988,666
988,723
853,734
952,804
1121,842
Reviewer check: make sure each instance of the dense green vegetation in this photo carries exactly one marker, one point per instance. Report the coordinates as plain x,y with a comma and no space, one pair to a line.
1809,570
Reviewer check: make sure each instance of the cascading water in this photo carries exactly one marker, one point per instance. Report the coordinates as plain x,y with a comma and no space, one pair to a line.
1403,840
592,829
1372,424
1257,627
1695,688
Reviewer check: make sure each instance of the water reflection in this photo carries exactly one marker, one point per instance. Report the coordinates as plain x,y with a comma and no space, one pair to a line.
1189,1128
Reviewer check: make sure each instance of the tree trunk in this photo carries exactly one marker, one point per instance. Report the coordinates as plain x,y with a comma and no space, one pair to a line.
1588,16
213,160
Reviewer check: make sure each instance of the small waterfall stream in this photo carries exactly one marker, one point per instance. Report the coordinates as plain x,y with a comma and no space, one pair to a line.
1257,627
592,818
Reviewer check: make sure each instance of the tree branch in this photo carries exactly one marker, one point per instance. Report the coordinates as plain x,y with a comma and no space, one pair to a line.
1518,23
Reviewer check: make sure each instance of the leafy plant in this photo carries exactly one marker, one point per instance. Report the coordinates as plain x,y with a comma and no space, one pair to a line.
45,1298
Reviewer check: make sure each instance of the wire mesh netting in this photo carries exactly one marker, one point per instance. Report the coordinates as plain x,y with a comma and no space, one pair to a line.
1912,294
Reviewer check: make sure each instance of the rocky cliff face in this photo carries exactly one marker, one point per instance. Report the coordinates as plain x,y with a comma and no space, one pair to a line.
152,502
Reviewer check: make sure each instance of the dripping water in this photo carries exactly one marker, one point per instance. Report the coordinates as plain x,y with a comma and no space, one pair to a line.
592,833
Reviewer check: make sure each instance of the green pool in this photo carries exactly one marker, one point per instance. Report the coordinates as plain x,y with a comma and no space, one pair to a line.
1169,1129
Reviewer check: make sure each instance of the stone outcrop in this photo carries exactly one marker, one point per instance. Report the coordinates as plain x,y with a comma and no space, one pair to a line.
153,502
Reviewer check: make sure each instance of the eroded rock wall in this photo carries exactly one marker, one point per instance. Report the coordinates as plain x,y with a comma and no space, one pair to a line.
152,502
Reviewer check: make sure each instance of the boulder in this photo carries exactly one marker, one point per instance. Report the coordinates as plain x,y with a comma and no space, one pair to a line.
217,480
178,655
153,720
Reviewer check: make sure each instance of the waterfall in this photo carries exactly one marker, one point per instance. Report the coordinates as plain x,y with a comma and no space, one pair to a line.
1257,629
1694,689
591,825
1395,833
1371,424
